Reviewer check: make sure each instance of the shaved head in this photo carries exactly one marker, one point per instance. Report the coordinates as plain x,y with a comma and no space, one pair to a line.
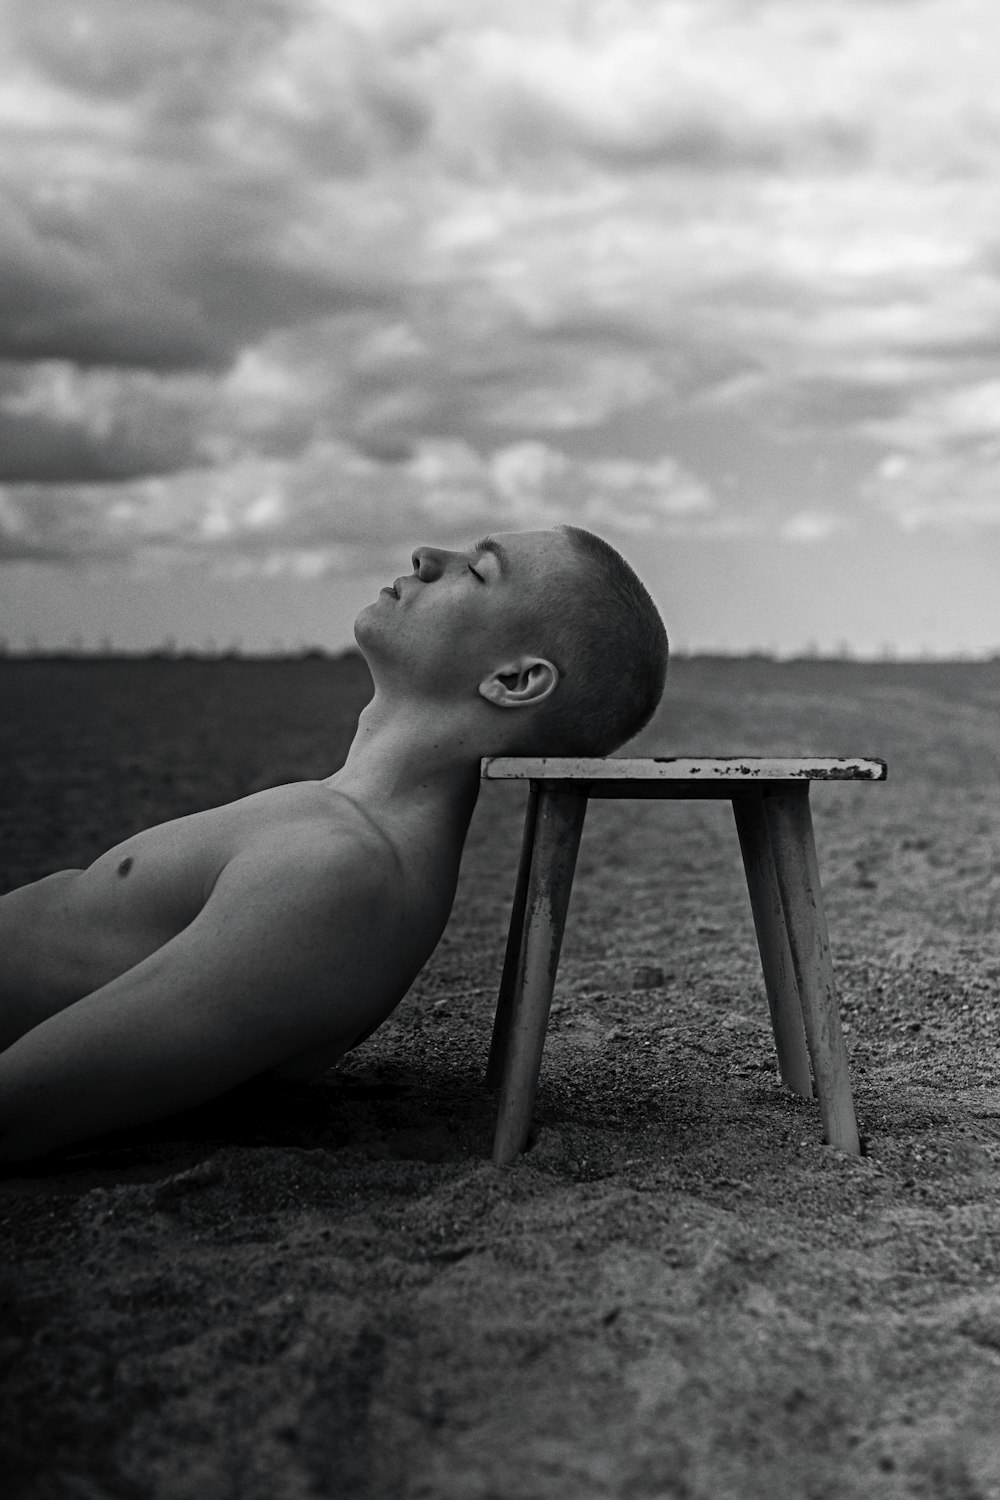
610,646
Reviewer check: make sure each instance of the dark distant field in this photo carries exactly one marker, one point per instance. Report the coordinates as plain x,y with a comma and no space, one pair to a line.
679,1291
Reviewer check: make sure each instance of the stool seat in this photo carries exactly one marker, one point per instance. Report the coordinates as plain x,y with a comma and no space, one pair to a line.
770,799
676,775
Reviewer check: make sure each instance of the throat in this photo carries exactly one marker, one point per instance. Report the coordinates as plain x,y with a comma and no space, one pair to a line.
411,759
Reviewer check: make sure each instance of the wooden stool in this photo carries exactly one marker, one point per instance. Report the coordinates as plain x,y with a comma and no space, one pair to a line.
770,798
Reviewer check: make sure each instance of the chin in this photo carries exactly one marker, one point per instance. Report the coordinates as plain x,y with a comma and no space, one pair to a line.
364,624
372,632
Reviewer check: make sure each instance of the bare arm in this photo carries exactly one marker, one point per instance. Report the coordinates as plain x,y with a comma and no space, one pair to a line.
273,966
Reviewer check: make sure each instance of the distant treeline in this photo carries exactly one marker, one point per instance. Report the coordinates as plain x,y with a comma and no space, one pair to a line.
170,653
351,654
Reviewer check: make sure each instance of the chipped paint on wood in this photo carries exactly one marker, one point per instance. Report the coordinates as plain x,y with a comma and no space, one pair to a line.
683,768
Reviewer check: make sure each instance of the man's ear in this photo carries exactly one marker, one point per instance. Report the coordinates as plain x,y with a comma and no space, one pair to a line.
521,684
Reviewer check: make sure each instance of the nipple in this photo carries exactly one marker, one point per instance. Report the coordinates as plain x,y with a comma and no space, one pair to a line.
125,866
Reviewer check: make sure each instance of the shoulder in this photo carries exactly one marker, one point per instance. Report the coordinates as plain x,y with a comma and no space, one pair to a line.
309,866
301,904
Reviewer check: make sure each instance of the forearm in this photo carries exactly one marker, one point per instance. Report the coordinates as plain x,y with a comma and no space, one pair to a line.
86,1071
46,1102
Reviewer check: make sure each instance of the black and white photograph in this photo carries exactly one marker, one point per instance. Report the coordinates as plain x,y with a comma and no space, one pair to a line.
499,750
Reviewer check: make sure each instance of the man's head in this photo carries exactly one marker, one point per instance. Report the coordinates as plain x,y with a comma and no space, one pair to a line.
548,637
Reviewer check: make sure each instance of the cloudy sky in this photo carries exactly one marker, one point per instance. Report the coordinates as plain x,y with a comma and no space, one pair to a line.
289,285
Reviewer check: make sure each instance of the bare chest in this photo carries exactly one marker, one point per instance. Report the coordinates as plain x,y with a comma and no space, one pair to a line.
68,935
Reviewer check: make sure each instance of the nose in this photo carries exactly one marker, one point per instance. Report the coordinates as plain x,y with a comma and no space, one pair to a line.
429,563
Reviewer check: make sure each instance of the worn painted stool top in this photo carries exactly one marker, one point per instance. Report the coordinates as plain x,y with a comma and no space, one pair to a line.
681,768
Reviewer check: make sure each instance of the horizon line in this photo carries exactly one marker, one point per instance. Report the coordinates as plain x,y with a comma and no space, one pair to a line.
886,656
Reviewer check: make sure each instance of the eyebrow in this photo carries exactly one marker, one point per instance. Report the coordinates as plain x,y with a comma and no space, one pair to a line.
490,544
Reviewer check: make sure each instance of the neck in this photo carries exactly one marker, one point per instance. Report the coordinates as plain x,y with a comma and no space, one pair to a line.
412,758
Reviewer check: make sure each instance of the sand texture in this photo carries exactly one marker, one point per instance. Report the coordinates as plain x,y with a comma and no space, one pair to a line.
679,1291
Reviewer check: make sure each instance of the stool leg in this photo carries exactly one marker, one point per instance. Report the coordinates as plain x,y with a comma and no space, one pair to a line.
512,955
558,825
772,942
794,850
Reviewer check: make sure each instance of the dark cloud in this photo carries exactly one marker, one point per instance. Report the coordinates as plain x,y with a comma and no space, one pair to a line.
165,280
694,145
65,294
178,221
60,525
385,448
593,327
530,125
109,333
697,142
981,348
171,48
34,448
826,402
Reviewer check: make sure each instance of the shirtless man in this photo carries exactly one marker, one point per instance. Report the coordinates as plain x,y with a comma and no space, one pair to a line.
274,933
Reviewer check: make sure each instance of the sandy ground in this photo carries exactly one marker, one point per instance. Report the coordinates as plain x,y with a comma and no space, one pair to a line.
679,1291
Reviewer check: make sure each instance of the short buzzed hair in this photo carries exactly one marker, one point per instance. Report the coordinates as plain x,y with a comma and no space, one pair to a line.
611,649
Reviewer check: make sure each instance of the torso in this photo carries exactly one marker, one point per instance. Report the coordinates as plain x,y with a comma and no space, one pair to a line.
67,935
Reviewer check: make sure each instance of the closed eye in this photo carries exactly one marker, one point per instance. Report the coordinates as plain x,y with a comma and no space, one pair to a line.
476,575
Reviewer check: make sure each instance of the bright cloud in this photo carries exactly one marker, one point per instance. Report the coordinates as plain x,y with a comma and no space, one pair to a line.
810,526
287,282
956,488
328,508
